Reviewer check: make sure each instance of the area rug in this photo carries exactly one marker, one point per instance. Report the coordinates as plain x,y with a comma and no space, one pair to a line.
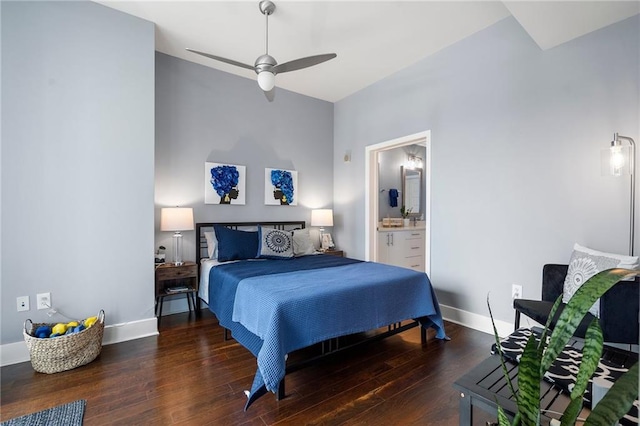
63,415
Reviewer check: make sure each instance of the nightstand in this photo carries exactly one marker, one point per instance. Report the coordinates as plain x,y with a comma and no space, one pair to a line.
176,280
333,252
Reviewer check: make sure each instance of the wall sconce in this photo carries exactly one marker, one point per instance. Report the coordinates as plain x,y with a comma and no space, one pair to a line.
414,162
176,219
618,160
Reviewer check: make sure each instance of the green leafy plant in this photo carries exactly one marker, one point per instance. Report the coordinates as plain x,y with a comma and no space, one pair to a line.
538,356
405,212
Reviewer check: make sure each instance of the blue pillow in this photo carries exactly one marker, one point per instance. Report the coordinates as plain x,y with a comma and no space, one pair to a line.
235,245
275,244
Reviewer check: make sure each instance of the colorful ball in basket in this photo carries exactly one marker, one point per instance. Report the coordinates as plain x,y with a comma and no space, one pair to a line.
43,331
90,321
76,329
59,328
72,324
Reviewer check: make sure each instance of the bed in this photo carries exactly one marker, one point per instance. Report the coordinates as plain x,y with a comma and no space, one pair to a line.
274,293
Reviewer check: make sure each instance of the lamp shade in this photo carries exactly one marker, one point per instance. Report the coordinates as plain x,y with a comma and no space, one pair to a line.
176,219
614,161
322,217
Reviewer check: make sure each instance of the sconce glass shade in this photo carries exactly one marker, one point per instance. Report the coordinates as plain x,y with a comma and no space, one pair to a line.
266,80
414,162
322,217
614,161
176,219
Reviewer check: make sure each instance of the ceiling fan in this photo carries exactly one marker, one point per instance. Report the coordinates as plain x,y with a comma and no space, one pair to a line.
266,66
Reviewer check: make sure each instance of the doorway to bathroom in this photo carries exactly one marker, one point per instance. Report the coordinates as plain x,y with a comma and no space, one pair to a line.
398,172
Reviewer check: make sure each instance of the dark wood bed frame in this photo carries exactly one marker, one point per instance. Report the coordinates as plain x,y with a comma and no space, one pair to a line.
329,347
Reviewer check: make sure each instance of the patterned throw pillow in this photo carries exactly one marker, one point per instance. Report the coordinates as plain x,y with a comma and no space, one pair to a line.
275,244
585,263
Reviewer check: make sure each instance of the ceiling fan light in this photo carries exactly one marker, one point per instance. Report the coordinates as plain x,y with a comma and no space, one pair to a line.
266,80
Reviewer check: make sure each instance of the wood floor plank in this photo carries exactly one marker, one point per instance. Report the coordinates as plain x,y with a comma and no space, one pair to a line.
188,375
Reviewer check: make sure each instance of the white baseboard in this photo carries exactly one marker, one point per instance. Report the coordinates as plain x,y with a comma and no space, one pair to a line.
475,321
14,353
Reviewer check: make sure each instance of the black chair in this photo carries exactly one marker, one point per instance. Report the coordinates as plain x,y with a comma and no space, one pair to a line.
619,307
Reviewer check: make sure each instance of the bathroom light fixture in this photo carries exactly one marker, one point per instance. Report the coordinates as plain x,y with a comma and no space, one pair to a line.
414,162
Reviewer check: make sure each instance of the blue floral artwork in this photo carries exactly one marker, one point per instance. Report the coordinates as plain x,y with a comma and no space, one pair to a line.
224,183
280,187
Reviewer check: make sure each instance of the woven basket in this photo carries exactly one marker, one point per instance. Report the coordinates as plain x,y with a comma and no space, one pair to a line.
53,355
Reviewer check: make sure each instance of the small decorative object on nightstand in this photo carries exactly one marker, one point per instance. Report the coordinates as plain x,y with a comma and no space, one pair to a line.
172,280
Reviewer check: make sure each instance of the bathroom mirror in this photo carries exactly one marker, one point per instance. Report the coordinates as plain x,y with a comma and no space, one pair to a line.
411,189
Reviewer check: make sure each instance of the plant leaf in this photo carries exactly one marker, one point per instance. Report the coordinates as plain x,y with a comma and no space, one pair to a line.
617,401
571,412
529,383
591,354
577,307
499,347
503,420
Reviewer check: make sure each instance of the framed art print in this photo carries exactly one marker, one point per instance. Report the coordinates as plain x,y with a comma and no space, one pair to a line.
224,183
280,187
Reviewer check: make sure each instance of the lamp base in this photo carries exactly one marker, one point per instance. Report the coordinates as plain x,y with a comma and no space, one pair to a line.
177,249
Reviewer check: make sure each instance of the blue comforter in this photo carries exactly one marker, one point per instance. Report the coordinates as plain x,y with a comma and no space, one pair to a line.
275,307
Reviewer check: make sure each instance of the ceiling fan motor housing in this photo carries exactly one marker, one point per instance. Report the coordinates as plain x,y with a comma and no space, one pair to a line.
265,63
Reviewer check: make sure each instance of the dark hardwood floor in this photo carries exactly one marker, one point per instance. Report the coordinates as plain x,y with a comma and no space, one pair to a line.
189,375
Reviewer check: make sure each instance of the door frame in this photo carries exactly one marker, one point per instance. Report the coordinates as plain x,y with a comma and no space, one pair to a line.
372,192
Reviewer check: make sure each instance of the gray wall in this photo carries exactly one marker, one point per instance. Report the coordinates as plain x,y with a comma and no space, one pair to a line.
204,114
77,162
516,139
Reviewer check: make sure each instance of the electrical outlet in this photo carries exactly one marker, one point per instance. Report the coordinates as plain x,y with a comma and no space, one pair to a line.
516,291
23,303
43,300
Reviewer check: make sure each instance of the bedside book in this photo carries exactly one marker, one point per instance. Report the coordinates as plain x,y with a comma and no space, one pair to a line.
179,289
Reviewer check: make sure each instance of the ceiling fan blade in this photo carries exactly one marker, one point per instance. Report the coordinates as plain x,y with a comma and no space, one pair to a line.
298,64
270,95
225,60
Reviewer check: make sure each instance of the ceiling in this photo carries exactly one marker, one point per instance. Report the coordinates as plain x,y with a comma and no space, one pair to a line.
373,39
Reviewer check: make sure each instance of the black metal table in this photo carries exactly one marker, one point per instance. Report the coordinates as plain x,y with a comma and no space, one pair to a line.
485,387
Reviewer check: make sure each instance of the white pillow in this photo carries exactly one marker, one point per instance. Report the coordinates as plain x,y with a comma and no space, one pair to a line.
315,238
585,263
212,244
302,243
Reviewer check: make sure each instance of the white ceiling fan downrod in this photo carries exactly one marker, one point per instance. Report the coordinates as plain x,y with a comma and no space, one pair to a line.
265,63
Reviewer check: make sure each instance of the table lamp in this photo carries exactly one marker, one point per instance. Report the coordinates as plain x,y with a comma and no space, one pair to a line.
322,218
176,219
